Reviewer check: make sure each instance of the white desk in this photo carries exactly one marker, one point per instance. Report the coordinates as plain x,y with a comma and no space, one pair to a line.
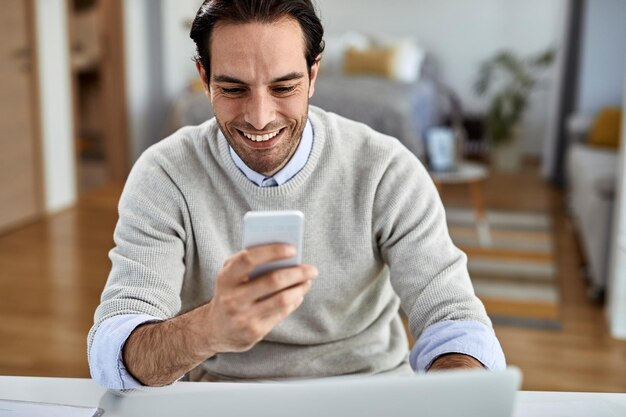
83,392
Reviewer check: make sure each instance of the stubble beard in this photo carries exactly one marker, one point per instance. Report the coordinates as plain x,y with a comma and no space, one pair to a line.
266,165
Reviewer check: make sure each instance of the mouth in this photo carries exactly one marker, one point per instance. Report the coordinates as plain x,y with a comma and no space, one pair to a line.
261,140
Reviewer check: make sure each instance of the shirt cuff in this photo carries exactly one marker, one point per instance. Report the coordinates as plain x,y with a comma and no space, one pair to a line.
471,338
105,360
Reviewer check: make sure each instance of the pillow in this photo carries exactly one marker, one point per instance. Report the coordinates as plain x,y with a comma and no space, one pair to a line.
373,61
606,128
410,56
400,61
336,47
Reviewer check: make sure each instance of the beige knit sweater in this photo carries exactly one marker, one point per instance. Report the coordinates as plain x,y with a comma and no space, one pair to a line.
374,227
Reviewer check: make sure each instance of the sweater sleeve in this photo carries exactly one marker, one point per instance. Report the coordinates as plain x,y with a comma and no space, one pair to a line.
148,258
427,271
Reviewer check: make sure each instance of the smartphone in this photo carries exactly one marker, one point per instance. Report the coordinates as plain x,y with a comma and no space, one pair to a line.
265,227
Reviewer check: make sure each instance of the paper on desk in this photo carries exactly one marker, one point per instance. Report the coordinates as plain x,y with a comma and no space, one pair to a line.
588,408
27,409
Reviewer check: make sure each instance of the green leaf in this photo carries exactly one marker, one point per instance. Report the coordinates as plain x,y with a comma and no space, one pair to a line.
509,96
543,59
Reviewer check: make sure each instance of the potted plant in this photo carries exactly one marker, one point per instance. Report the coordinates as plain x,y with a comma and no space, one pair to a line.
508,80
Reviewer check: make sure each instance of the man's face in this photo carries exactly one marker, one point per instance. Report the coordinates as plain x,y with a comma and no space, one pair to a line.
260,90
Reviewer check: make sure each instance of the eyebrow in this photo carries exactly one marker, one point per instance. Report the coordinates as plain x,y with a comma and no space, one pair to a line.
228,79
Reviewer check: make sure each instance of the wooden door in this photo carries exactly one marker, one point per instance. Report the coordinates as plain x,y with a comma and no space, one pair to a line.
20,155
114,90
97,46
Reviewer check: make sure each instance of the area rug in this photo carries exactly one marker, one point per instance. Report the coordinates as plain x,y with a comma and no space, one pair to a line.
515,273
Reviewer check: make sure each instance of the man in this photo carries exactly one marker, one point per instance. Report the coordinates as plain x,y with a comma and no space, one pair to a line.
179,300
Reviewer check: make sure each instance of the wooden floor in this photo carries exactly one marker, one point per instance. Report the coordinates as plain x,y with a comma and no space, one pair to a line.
52,273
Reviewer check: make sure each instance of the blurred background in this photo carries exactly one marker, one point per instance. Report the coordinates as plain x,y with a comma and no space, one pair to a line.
515,107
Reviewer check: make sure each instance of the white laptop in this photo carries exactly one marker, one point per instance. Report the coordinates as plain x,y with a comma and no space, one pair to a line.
442,394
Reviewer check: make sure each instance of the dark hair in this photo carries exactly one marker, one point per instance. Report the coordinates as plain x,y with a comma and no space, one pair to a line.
262,11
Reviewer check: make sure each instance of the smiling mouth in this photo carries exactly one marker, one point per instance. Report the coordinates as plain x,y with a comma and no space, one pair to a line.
261,138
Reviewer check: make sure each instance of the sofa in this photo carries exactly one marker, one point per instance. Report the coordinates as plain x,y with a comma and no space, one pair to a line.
591,180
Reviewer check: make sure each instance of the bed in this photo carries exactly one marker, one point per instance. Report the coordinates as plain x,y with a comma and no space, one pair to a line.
402,110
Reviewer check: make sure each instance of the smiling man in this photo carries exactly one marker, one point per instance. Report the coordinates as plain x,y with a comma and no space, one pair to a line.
179,300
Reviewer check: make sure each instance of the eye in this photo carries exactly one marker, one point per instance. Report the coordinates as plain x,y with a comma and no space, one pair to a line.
284,89
233,91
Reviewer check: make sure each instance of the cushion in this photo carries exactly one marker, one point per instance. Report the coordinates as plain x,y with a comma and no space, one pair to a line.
335,50
405,65
372,61
606,128
400,62
409,56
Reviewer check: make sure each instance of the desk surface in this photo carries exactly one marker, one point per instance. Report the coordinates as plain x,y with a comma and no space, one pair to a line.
84,392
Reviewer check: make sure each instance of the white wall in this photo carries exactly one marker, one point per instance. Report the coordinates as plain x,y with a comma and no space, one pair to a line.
178,47
603,56
136,67
617,274
158,53
460,34
56,104
144,72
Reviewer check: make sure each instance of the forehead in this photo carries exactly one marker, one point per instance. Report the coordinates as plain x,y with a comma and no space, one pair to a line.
252,51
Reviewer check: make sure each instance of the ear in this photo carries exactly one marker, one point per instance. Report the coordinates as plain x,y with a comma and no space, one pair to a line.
203,78
314,70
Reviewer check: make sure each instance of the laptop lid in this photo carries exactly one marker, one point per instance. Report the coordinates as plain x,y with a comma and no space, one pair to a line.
472,393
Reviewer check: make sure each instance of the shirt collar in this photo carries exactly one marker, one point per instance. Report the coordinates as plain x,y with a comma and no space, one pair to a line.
295,164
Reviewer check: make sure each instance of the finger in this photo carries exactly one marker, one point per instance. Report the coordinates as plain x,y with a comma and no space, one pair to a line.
280,279
237,267
272,282
278,306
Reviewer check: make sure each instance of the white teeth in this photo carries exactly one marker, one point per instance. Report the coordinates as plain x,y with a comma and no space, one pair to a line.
261,138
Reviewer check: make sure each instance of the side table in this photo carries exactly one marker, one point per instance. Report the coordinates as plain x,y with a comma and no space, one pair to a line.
472,174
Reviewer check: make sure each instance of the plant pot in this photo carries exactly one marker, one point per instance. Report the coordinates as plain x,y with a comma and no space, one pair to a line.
507,155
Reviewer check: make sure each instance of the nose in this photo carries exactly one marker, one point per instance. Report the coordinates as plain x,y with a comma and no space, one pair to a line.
260,109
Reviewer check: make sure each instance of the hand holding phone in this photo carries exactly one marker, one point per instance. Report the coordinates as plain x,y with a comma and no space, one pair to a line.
243,310
266,227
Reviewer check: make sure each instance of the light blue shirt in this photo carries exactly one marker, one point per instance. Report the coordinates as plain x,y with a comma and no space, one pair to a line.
468,337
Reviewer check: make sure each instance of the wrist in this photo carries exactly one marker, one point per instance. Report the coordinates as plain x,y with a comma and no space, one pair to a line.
455,361
201,335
